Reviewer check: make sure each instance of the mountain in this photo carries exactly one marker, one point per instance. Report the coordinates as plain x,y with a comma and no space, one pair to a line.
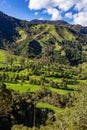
57,40
36,21
8,29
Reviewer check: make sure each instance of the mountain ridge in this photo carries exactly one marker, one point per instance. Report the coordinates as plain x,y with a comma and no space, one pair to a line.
23,37
37,21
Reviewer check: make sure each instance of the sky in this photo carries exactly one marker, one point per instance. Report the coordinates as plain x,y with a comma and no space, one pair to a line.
72,11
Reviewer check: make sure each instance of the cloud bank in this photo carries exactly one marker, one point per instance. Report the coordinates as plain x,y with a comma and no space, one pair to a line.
75,10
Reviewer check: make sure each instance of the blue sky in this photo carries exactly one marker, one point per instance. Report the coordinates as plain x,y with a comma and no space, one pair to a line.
19,9
16,8
72,11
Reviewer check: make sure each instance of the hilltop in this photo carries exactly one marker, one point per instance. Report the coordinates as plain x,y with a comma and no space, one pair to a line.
58,39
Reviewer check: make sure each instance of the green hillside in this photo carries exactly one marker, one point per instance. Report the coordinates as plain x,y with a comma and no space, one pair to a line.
43,75
61,39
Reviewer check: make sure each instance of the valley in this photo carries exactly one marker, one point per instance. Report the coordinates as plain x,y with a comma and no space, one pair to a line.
43,75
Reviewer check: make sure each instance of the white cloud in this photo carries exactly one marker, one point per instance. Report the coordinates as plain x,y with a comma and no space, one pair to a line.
45,4
73,9
55,13
36,13
81,5
41,18
80,18
69,15
64,5
39,4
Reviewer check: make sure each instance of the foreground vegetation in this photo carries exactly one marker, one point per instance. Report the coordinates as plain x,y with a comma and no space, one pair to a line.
29,89
43,75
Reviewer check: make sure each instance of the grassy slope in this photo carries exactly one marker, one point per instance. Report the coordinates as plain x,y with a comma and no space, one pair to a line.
59,91
49,32
2,55
43,32
33,88
3,58
23,36
51,107
5,54
23,87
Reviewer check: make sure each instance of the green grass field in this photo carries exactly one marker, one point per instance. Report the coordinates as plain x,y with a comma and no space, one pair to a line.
59,91
51,107
23,88
54,79
32,88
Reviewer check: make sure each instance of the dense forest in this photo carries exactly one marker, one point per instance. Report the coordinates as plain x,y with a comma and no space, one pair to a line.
43,74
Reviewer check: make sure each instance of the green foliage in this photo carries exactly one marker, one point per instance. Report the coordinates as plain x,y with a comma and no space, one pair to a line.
79,113
22,37
45,79
34,48
5,100
65,43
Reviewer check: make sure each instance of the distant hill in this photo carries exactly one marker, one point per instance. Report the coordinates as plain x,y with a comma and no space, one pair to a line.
60,22
57,40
